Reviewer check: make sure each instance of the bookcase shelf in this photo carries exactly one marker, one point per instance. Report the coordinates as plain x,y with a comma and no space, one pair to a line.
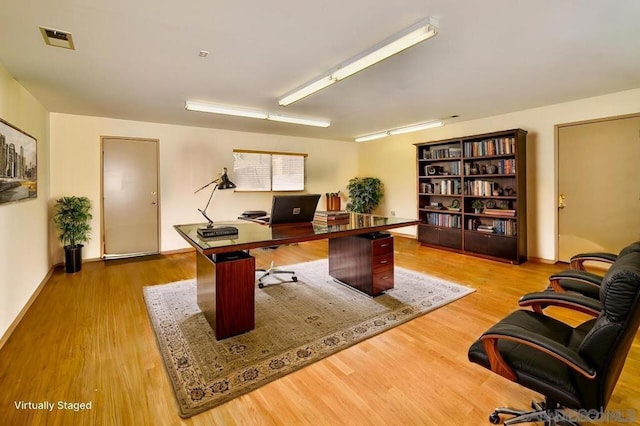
472,194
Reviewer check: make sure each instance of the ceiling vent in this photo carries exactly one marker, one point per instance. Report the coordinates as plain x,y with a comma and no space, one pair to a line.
57,38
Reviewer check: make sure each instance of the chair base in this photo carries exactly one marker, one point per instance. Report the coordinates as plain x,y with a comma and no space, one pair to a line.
274,271
540,413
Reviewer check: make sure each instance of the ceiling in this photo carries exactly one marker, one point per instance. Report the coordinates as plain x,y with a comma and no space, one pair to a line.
138,60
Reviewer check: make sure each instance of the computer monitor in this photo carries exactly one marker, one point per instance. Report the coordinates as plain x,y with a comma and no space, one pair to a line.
293,208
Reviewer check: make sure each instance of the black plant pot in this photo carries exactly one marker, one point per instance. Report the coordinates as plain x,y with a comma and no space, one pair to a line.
73,258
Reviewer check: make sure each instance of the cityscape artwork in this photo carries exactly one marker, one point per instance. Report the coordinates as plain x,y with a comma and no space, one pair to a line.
18,164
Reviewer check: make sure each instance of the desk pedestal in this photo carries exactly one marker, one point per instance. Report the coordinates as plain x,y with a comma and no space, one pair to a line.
365,262
226,293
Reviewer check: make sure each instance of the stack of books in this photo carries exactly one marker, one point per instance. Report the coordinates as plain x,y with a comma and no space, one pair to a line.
331,218
485,228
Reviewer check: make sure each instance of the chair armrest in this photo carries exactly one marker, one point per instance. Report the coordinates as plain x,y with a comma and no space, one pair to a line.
584,277
577,261
540,343
574,301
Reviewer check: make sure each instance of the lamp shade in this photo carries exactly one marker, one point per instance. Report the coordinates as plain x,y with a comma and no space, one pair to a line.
225,183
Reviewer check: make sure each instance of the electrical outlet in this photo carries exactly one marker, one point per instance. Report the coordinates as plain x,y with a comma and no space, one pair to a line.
393,213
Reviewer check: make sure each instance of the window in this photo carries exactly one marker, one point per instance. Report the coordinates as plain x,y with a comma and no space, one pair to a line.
268,171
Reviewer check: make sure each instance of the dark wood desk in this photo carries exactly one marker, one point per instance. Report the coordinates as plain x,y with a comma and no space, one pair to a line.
358,256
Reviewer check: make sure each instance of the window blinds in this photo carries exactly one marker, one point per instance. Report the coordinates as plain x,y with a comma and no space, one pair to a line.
264,171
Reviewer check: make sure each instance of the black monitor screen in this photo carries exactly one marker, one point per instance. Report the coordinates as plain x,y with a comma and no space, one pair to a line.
293,208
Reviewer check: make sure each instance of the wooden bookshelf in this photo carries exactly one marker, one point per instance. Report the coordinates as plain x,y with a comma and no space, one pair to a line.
472,194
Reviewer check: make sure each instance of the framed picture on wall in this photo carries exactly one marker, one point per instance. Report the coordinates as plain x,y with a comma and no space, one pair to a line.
18,164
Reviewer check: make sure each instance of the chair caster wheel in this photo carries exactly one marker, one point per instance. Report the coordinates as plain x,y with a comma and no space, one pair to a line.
538,405
494,418
260,285
295,279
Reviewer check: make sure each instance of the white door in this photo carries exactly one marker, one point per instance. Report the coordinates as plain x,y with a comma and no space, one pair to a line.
598,186
130,197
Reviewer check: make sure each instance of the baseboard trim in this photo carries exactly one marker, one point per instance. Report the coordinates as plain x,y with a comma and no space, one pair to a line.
541,260
178,251
25,308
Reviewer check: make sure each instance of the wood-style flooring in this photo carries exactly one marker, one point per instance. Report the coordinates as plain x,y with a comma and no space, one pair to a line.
87,338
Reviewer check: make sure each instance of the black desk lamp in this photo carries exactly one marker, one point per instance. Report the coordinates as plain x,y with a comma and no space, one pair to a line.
221,183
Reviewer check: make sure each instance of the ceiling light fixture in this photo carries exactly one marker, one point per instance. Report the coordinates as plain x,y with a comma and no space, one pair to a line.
423,30
224,109
250,113
298,120
401,130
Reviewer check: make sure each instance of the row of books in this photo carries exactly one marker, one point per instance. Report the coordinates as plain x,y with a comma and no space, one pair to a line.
506,167
441,153
479,187
506,227
496,146
444,220
442,187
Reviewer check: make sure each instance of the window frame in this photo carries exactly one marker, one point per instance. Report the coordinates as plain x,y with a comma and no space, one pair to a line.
271,154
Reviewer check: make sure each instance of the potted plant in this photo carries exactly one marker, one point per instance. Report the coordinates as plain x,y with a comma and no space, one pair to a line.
365,194
477,205
71,216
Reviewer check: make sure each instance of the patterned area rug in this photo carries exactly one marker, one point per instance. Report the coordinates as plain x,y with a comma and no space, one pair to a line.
297,323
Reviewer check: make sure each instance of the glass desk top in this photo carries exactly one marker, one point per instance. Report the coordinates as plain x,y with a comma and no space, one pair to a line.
254,235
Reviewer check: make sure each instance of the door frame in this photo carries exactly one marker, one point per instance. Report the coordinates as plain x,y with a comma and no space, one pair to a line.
556,183
102,231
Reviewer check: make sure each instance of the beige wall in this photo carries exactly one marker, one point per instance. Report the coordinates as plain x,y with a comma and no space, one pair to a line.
189,158
24,255
393,159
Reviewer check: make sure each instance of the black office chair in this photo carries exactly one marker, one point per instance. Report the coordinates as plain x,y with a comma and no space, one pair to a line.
578,280
573,367
272,270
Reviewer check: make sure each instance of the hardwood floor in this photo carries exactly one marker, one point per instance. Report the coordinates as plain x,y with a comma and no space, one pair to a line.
87,338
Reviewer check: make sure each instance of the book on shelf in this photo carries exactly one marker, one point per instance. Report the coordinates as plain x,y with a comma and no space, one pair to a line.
500,212
485,228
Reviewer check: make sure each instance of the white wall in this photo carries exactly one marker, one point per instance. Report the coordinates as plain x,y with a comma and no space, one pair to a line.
189,158
24,255
393,159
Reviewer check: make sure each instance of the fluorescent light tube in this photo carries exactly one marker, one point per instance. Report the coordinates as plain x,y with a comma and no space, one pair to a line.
306,90
242,112
401,130
416,127
411,36
372,137
224,109
415,35
298,120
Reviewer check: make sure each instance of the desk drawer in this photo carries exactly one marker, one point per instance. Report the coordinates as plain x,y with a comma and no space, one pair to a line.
382,263
382,246
382,278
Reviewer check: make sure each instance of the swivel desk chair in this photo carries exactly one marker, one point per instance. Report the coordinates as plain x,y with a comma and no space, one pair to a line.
287,210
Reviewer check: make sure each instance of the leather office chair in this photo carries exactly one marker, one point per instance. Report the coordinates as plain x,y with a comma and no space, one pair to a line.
578,280
573,367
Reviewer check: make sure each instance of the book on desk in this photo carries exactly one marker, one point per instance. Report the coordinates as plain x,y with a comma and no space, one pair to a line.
331,217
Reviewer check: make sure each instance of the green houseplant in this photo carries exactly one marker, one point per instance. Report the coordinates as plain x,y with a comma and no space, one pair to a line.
71,216
477,205
365,194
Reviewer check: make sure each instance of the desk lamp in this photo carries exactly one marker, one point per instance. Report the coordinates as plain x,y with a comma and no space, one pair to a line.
221,183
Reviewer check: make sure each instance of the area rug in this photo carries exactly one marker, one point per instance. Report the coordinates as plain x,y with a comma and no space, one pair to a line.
297,323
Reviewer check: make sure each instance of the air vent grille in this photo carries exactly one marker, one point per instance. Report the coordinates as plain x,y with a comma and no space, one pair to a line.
57,38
